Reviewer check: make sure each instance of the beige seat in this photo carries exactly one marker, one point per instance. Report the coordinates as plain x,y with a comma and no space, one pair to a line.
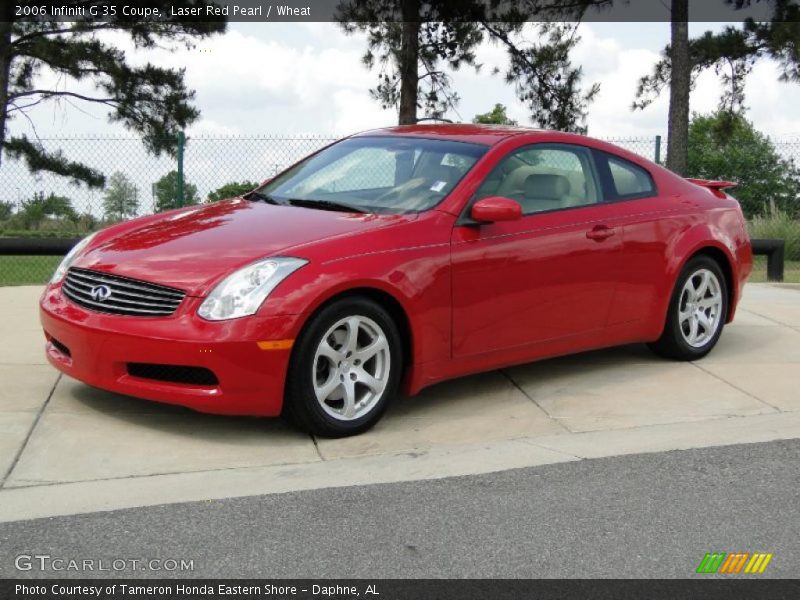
545,191
513,184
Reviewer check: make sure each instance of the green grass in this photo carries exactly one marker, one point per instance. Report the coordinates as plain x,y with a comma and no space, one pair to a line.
779,225
27,270
36,270
791,270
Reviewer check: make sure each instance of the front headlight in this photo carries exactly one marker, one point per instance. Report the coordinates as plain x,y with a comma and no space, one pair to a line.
67,261
242,292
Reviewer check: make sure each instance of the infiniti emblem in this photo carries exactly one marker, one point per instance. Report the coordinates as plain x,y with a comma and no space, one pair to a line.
100,293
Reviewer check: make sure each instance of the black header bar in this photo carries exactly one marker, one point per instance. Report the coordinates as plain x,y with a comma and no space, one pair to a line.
397,589
396,10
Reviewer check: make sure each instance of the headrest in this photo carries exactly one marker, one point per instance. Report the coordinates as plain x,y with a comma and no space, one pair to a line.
546,186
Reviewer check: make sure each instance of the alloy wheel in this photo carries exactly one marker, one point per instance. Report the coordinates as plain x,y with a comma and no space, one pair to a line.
351,367
700,308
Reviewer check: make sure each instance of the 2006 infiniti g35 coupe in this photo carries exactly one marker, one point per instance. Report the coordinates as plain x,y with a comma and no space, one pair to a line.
399,257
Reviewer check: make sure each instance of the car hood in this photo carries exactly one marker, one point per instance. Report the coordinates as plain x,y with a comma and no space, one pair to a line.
193,248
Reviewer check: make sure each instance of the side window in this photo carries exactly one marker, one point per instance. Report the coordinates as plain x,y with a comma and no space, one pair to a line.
625,179
544,177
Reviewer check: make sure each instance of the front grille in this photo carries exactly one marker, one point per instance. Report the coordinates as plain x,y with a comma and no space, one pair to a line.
117,295
173,373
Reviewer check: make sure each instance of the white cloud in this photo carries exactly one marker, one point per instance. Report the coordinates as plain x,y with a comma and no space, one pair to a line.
617,56
275,79
308,77
255,80
618,70
353,111
207,127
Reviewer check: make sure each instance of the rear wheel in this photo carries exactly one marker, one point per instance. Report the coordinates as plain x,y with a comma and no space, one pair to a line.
697,311
345,368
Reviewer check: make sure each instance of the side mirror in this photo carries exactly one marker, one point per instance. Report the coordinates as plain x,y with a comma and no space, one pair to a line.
496,208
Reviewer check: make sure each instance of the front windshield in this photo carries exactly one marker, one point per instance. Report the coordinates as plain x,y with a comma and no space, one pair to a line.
375,175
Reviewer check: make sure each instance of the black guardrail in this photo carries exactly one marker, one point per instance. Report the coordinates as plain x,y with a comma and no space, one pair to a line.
774,250
36,246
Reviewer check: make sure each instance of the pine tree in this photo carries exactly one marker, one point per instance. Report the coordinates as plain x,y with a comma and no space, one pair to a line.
414,44
121,198
149,100
732,53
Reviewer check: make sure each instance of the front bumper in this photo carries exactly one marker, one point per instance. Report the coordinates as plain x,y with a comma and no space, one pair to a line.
100,346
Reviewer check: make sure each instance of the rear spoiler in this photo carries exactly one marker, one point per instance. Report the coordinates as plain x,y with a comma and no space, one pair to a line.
713,185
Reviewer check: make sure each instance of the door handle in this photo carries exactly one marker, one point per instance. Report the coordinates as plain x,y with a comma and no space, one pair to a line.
600,233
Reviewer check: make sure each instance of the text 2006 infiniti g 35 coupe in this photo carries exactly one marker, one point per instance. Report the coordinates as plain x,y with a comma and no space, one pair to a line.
398,257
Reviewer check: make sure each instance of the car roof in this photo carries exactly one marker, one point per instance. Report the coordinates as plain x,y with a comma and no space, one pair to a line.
491,135
488,135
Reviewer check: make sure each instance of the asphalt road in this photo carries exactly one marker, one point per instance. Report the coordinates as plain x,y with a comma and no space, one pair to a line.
650,516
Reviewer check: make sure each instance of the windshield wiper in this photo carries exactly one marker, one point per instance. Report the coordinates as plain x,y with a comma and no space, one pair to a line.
262,197
326,205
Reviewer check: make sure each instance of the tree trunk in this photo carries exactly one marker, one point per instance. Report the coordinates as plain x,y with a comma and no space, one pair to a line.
679,90
409,62
5,69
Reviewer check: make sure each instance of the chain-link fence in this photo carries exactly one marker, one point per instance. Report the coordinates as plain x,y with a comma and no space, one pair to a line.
145,183
138,183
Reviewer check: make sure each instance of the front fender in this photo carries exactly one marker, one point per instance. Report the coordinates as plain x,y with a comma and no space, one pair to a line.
418,279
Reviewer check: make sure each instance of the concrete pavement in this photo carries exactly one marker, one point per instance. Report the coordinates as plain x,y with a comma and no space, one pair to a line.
66,448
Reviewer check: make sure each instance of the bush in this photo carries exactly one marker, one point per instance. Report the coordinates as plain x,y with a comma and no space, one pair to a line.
727,146
778,225
166,190
231,189
496,116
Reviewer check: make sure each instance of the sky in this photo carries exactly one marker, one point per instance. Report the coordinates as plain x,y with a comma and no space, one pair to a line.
282,80
295,78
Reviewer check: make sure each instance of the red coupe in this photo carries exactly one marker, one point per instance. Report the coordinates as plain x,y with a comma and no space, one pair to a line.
395,259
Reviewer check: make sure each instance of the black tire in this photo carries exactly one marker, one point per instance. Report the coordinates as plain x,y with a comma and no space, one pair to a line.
300,405
672,343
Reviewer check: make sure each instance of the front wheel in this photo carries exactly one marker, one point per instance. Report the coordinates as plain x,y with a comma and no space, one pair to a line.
345,368
697,312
